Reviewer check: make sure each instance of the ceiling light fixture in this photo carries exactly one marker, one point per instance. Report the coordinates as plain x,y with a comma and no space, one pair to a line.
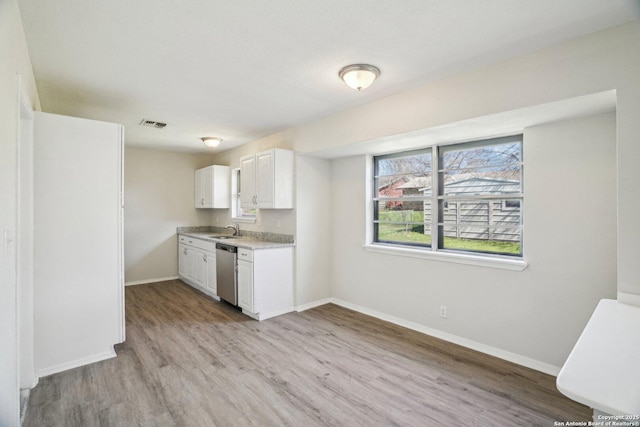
211,141
359,76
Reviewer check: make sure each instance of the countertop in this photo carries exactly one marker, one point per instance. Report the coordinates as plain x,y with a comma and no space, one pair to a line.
603,369
247,242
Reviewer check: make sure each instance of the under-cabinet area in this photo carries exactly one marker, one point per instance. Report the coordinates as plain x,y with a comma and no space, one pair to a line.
261,271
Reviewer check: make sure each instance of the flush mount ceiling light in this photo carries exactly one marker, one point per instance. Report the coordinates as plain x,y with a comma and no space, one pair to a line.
359,76
211,141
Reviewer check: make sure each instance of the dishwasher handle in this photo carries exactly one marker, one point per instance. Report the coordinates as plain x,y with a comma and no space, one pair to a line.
227,248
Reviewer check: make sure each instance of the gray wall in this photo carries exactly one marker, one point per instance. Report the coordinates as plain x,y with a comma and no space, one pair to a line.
159,196
537,313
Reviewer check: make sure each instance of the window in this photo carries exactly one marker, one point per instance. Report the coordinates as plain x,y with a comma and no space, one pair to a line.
401,206
478,197
238,213
511,204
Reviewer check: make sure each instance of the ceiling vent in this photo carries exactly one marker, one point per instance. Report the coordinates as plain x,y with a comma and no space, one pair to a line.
152,124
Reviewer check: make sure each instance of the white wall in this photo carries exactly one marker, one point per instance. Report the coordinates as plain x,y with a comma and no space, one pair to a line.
14,59
569,242
159,196
25,244
314,225
594,63
587,65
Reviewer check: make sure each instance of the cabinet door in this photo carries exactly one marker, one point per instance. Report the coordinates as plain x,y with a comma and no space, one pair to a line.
264,179
247,181
182,256
211,283
200,267
185,261
245,285
207,189
189,262
198,196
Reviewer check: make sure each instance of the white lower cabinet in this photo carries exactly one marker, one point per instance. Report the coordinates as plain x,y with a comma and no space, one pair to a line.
245,285
205,268
264,276
265,282
197,264
185,261
210,260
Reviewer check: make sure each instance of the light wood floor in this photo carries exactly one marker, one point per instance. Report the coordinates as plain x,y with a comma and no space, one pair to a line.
191,361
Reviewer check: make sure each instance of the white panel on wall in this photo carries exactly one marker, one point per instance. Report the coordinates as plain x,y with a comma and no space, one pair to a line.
78,280
313,225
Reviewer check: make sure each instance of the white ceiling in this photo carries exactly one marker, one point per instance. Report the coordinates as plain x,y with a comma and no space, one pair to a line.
244,69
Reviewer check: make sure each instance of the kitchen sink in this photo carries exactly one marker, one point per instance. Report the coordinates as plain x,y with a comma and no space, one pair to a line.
215,236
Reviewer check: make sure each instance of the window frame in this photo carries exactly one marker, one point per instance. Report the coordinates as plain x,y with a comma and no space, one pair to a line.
376,219
438,200
237,213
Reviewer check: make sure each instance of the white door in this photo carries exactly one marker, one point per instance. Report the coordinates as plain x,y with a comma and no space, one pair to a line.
245,285
264,179
248,182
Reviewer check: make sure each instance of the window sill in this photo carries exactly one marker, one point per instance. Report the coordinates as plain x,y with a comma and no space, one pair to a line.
481,261
244,220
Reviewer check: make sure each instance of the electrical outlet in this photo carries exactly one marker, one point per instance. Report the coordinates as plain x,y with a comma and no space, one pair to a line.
443,311
278,222
217,218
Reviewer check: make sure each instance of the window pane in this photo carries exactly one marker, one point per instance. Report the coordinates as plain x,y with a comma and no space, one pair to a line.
248,212
402,185
495,155
481,212
403,224
497,240
411,164
492,169
481,182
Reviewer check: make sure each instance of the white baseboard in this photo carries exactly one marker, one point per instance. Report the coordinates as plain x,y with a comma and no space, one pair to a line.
265,316
144,282
312,304
464,342
631,299
77,363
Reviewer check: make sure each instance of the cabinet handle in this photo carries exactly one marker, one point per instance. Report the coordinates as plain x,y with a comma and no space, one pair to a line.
185,251
202,202
255,200
204,258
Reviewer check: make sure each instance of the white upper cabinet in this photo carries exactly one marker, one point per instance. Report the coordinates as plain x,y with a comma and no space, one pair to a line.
212,187
266,180
247,181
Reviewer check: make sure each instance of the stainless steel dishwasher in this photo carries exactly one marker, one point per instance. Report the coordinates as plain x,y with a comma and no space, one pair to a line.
226,264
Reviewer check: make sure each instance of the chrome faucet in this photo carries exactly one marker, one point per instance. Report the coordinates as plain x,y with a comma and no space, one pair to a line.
235,227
